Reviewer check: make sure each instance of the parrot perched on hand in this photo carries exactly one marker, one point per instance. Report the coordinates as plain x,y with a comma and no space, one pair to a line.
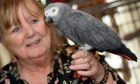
85,30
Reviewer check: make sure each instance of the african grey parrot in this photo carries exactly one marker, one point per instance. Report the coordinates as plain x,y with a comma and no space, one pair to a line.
85,30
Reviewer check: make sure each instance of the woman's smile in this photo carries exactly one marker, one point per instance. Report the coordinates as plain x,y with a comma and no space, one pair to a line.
33,43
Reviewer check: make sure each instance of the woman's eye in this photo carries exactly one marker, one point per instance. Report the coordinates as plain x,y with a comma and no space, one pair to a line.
34,21
16,29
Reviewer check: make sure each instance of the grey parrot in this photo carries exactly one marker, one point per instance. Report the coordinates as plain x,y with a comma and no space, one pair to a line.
85,30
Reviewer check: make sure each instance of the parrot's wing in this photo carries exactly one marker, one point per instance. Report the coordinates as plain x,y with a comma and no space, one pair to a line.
85,29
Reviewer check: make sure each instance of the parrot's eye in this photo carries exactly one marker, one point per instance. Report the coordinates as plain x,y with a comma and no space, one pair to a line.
53,10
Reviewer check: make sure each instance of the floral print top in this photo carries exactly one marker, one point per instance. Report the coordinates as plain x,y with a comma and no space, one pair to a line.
61,73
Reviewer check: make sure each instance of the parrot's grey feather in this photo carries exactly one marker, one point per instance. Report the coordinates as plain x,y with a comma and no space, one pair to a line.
85,29
88,32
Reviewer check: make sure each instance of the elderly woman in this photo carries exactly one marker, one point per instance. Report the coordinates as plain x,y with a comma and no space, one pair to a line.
41,57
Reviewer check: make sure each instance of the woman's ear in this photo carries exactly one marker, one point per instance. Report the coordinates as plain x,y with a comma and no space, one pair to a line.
0,41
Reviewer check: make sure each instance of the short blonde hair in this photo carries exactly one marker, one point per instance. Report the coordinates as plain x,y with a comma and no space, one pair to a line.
9,16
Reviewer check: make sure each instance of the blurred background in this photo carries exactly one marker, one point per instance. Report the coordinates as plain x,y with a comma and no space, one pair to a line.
121,15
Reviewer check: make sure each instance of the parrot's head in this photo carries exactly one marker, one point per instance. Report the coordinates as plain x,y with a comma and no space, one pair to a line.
55,11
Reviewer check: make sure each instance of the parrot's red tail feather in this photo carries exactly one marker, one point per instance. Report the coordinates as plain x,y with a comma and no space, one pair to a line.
123,56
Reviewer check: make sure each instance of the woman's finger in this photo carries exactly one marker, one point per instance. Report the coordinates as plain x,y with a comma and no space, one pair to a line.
78,54
86,73
7,81
84,66
79,61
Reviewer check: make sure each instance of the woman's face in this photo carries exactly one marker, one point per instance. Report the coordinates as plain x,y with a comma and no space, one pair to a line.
29,39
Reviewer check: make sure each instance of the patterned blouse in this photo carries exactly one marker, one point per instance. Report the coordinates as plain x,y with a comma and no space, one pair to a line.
61,73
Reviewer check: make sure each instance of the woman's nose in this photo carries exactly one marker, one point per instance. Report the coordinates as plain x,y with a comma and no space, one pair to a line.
29,31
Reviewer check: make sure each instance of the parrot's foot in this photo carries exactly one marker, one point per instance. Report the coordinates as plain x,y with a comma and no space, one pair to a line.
85,48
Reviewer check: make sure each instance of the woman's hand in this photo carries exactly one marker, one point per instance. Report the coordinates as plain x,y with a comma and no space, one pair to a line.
87,66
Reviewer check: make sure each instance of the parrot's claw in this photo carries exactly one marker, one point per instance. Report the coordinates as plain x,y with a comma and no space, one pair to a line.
85,48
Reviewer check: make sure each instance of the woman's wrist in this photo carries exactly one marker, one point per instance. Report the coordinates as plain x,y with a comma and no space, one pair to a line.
102,76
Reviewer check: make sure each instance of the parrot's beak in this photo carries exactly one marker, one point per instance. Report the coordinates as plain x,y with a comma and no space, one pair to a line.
48,19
